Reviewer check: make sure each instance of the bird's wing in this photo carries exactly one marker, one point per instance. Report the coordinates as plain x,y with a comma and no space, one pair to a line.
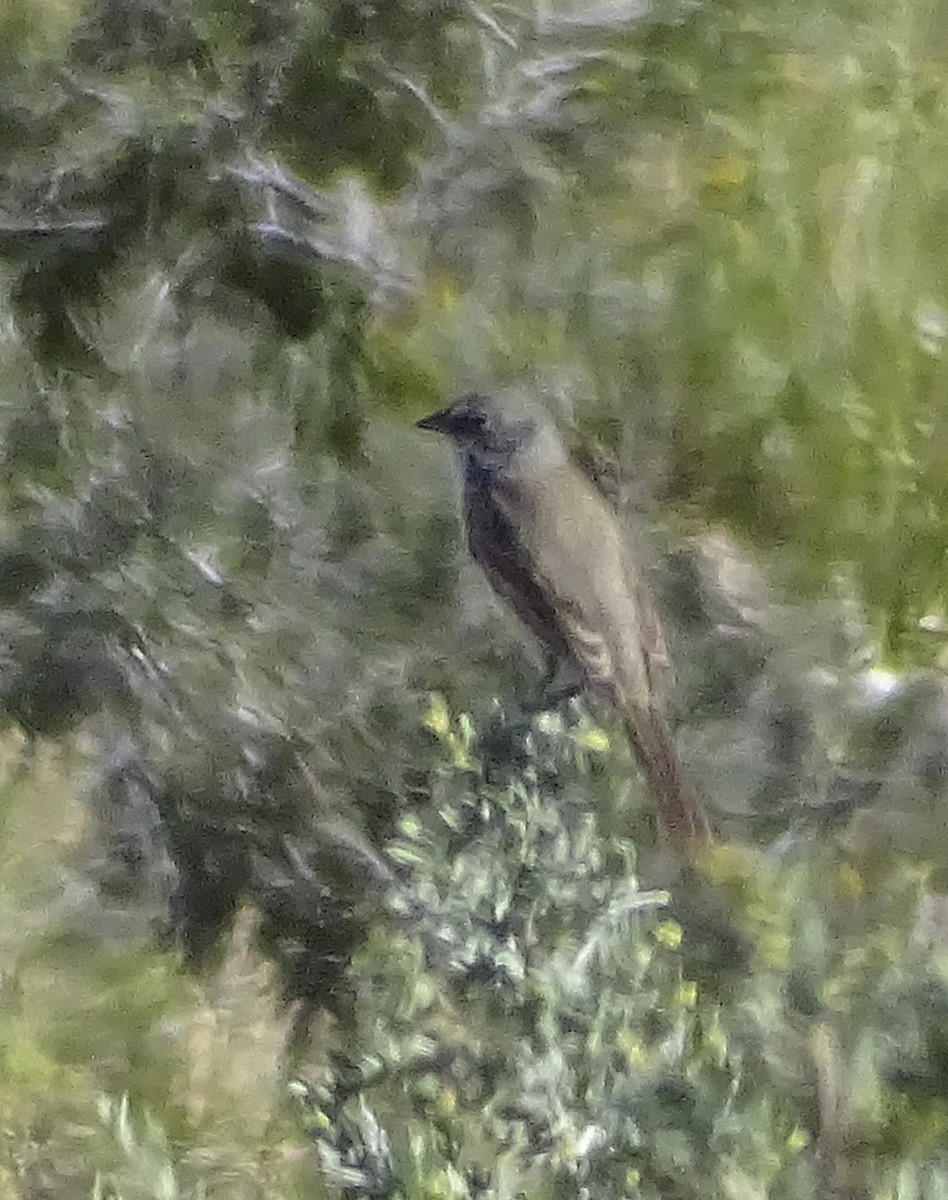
569,545
570,542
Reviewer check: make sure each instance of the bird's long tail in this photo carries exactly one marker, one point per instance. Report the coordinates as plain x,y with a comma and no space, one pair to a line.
678,804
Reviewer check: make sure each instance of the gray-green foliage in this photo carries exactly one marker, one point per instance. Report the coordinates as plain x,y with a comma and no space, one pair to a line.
242,246
553,1027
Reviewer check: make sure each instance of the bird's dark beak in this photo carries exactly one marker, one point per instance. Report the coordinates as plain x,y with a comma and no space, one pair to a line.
442,421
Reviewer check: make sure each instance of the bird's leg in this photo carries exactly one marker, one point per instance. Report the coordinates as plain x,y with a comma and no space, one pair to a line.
561,683
503,743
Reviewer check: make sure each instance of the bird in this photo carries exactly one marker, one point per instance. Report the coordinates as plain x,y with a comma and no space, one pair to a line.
552,548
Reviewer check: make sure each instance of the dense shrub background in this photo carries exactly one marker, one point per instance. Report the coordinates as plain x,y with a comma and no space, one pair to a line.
295,899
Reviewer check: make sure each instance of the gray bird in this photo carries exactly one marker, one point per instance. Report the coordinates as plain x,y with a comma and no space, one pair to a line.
552,548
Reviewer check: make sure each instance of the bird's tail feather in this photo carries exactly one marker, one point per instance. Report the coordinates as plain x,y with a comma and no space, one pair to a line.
678,804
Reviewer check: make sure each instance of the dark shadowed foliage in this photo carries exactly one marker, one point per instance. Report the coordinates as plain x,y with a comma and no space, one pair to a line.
304,891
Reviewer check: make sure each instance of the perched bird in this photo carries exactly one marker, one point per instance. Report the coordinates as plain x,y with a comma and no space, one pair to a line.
552,548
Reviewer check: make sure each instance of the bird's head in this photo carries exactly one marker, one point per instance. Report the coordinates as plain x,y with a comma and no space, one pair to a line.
495,430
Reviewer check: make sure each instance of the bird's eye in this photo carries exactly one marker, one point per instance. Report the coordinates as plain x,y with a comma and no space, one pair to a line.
475,421
471,415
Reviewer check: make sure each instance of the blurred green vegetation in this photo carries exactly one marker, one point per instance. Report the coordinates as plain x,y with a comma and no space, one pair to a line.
294,898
